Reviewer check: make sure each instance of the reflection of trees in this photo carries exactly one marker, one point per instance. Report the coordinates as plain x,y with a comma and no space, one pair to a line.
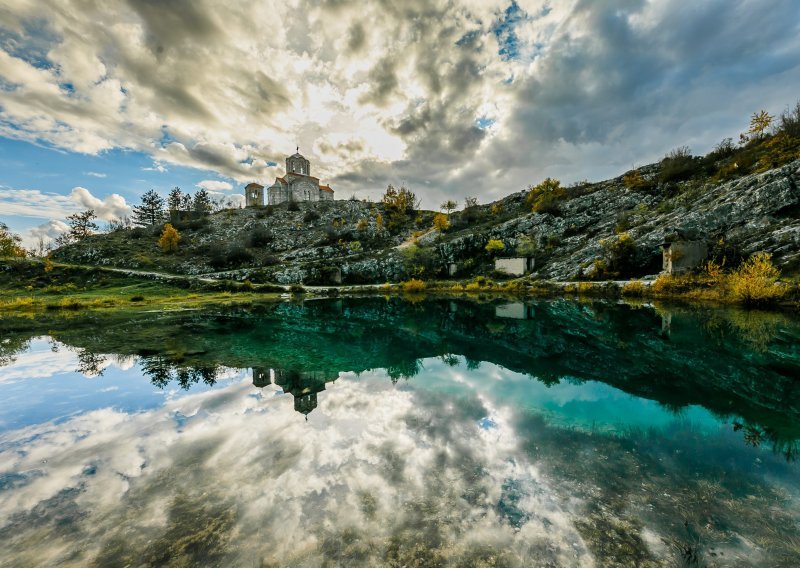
756,435
91,364
162,371
404,369
10,347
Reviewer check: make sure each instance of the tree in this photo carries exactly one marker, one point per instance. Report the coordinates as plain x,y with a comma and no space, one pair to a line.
759,123
169,238
449,206
175,199
398,204
81,225
151,211
470,202
9,242
440,222
202,202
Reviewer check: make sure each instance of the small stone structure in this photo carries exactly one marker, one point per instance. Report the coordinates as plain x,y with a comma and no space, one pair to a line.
682,256
254,195
514,266
296,185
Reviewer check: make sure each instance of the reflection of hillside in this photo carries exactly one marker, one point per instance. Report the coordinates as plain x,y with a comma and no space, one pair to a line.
731,362
302,385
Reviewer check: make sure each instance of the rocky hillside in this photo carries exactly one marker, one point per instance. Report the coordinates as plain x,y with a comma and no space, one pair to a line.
610,229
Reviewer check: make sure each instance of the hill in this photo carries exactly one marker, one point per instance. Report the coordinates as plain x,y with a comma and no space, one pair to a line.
610,229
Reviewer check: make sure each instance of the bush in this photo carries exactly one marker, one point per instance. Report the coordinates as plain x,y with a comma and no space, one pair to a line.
495,246
221,258
137,298
679,165
293,206
617,258
440,222
258,236
546,197
755,282
414,286
310,216
297,290
634,288
634,181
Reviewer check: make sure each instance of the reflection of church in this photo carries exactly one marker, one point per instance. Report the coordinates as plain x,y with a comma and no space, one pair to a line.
302,385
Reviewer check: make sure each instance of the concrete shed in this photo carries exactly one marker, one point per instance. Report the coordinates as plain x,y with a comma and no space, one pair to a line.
683,256
514,266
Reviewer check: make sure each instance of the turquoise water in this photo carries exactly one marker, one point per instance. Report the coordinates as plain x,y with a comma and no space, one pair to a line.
383,432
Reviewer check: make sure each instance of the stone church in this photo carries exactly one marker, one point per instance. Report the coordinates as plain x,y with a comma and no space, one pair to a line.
296,185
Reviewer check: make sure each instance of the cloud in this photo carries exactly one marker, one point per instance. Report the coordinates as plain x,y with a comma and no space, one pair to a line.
46,232
156,167
375,92
108,209
35,203
375,451
214,185
95,174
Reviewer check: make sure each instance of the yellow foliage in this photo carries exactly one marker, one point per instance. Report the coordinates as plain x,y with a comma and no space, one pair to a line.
633,288
48,264
169,238
379,221
755,281
414,285
495,246
440,222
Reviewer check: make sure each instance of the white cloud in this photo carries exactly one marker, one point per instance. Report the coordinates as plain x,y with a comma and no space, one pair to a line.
95,174
109,208
46,232
35,203
157,167
214,185
375,92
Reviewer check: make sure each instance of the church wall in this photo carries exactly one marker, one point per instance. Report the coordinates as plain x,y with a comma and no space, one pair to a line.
325,195
305,191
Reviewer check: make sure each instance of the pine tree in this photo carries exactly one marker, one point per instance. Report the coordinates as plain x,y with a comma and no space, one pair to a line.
151,211
81,225
202,202
175,199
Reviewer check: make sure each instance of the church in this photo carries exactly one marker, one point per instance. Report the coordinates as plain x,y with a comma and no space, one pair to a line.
296,185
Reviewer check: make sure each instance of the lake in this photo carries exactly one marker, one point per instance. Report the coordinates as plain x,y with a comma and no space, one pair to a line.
386,432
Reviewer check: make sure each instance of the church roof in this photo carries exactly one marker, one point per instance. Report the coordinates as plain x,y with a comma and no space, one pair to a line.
297,155
326,188
254,184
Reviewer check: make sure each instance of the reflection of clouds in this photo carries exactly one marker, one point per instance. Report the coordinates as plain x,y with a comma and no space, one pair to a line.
386,464
44,359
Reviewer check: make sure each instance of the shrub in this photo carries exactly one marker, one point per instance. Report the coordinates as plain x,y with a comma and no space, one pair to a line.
756,281
678,165
495,246
634,180
440,222
414,286
362,225
293,206
296,289
310,216
546,197
634,288
618,258
235,255
419,261
355,247
258,236
137,298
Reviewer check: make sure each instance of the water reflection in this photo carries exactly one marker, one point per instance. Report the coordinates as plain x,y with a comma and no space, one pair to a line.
435,433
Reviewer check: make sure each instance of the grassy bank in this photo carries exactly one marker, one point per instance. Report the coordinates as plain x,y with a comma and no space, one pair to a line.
31,286
28,286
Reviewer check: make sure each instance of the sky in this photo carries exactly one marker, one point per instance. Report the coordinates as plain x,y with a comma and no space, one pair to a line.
102,100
